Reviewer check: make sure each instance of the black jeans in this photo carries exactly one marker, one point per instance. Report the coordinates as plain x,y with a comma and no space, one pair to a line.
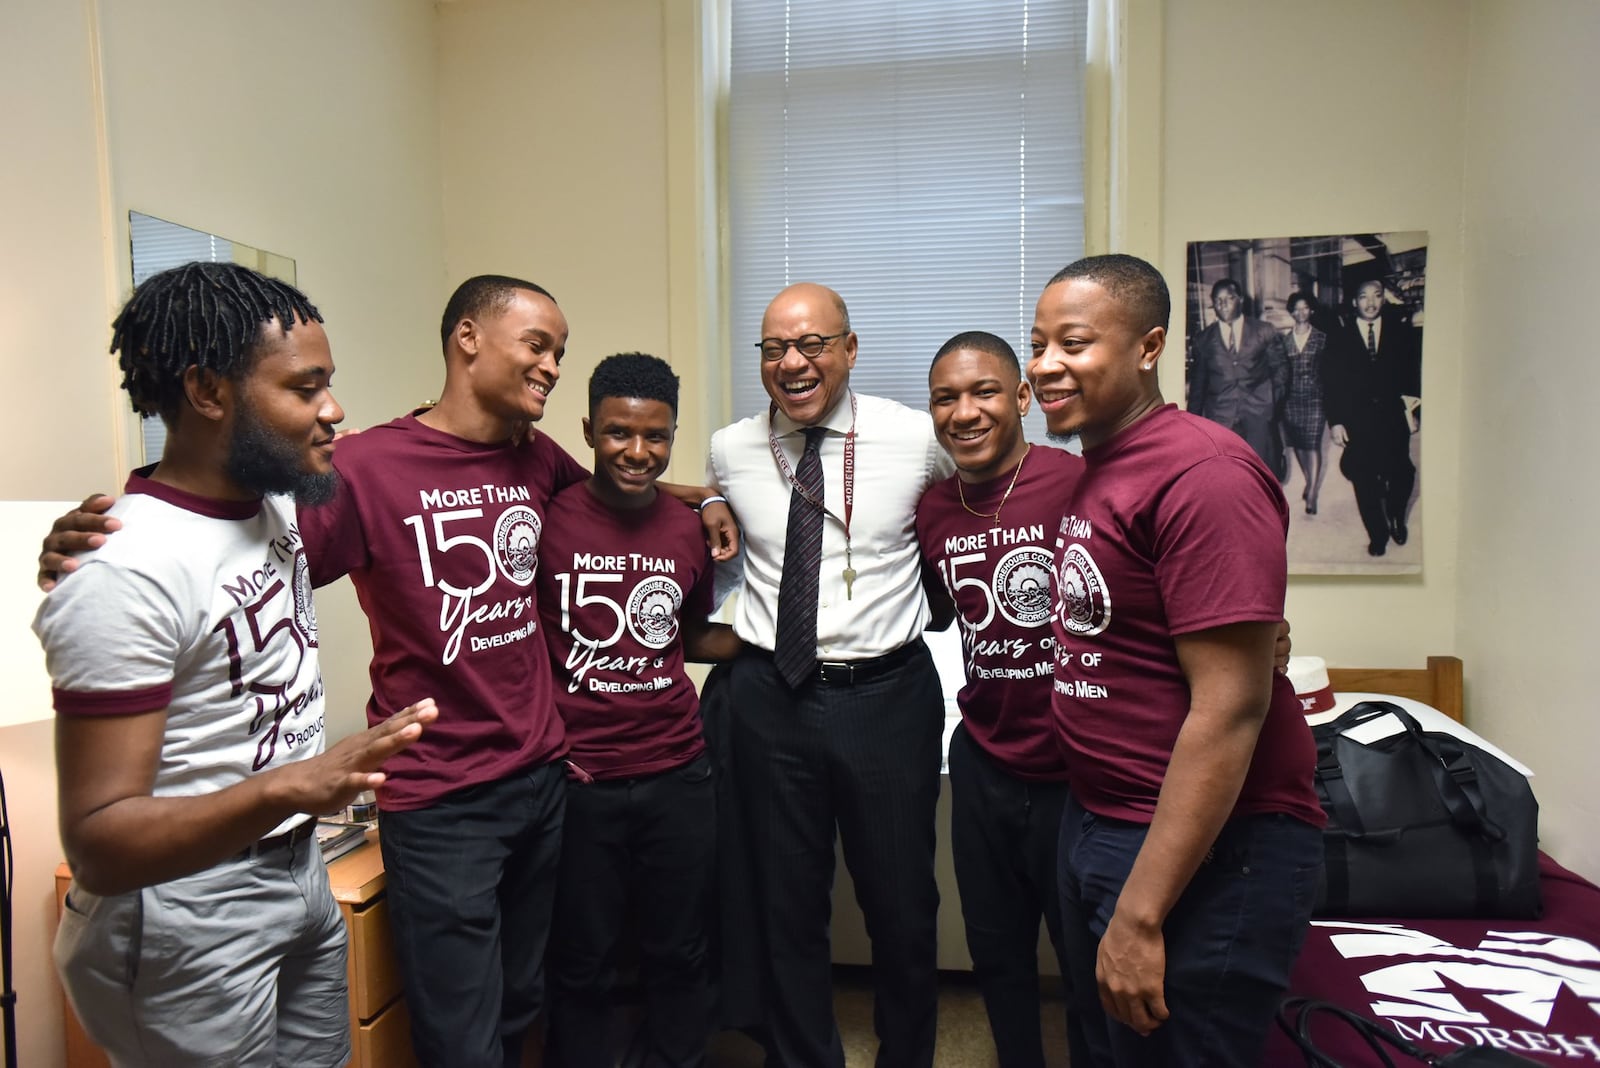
1230,940
1003,837
471,882
639,856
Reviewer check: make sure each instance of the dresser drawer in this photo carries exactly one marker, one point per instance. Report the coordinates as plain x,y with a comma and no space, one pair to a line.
374,974
384,1042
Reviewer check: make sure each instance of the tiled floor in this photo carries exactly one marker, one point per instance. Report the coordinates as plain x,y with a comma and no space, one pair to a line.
963,1028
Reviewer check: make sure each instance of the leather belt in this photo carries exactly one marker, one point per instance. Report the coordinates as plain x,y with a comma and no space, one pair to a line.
306,828
856,672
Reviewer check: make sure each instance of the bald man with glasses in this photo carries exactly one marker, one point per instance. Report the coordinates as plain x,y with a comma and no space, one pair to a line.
837,708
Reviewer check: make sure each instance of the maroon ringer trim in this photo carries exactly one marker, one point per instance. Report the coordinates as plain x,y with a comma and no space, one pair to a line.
112,702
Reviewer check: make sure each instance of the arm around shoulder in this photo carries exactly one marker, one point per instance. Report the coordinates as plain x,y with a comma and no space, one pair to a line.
705,642
941,607
78,531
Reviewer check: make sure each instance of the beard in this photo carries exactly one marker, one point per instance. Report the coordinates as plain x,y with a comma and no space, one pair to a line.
266,463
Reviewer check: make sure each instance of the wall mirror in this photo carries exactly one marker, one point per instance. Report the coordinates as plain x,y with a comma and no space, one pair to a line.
156,245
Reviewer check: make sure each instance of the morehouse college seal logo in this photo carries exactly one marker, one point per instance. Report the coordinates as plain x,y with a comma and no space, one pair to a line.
516,543
1085,604
653,611
305,611
1022,585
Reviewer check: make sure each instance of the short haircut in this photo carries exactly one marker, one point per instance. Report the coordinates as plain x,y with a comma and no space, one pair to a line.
1226,283
844,312
633,375
979,341
1133,282
480,297
206,315
1297,297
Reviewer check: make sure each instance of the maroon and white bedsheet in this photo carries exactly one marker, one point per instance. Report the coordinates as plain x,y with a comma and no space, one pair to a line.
1531,987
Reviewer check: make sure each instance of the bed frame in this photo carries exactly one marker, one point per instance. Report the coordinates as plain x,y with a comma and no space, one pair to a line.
1439,684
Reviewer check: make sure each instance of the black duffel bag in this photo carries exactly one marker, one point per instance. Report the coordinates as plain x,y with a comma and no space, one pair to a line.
1422,824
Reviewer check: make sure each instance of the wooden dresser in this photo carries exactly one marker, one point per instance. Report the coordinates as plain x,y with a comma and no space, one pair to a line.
380,1029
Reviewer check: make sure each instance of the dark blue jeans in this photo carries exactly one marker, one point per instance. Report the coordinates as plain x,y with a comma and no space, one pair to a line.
1003,839
638,857
1230,940
471,882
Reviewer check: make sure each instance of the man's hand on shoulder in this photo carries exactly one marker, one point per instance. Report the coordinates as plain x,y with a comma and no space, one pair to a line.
80,530
722,530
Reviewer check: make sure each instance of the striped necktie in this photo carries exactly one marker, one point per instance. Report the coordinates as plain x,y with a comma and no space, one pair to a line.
1372,341
795,650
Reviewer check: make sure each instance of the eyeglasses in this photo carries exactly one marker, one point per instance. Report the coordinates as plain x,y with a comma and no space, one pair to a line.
808,345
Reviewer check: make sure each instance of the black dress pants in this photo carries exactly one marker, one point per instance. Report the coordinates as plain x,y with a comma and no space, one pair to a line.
1378,465
637,856
861,760
471,882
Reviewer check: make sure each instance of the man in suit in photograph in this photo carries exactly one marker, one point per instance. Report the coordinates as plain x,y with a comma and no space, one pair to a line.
1373,387
1238,375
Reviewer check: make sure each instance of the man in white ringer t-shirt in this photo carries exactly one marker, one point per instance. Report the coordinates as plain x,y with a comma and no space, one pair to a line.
199,928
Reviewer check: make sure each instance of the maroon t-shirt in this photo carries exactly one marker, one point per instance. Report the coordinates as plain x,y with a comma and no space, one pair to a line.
614,590
1176,527
1000,577
439,536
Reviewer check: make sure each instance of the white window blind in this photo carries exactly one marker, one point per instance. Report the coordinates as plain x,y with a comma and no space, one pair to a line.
157,245
922,158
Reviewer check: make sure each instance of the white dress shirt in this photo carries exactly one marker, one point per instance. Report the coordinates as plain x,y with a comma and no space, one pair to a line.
896,458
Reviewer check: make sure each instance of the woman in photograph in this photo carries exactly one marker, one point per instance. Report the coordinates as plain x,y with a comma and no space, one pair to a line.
1303,418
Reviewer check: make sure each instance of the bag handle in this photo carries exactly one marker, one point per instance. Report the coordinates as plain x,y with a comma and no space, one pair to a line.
1330,776
1295,1015
1294,1018
1454,779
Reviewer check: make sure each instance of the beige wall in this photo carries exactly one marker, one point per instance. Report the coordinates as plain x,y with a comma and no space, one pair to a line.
53,301
304,128
60,429
1270,153
555,122
1529,596
1474,127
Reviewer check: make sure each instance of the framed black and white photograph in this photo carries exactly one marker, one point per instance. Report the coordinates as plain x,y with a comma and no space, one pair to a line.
1310,349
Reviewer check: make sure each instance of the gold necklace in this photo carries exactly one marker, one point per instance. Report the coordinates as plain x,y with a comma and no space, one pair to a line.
995,515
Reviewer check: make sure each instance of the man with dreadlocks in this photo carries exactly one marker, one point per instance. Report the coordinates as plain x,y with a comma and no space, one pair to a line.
199,928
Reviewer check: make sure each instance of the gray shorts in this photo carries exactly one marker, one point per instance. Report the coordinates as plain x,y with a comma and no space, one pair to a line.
240,964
